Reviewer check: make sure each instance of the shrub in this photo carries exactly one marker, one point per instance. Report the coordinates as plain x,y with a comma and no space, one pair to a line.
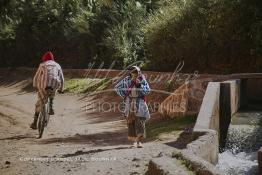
209,36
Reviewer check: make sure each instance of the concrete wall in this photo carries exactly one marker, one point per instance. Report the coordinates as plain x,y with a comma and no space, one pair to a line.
197,164
229,105
206,146
243,93
234,95
221,101
208,117
253,92
167,166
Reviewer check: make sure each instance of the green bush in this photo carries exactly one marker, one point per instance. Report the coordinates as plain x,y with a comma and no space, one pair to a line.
218,36
209,36
78,31
117,27
29,28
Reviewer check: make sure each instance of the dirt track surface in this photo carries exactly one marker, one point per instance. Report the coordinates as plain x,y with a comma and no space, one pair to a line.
78,140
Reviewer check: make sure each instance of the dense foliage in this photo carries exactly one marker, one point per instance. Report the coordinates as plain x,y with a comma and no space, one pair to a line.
208,35
79,32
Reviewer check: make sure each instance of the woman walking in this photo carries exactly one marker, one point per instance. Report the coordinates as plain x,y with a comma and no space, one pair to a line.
133,90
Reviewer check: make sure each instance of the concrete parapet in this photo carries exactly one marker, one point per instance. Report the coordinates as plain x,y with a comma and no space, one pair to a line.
206,146
234,95
208,117
167,166
196,163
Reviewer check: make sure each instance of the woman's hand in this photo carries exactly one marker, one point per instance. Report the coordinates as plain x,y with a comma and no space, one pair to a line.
138,83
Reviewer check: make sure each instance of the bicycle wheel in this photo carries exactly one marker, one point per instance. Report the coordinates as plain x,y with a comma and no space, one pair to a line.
40,124
47,116
43,119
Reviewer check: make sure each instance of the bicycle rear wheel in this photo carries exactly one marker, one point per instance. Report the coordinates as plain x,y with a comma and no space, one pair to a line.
40,124
47,116
42,121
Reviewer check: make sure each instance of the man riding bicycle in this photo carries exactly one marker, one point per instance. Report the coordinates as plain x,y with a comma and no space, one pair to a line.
49,75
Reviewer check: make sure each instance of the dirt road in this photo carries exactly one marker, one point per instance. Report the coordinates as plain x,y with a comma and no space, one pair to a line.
78,140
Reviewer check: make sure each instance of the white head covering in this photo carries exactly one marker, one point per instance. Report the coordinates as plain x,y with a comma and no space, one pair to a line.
137,69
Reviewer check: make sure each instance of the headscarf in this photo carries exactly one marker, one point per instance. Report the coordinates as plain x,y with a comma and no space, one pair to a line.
48,56
137,69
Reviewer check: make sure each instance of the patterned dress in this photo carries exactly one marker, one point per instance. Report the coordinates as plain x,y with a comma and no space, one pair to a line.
135,124
136,110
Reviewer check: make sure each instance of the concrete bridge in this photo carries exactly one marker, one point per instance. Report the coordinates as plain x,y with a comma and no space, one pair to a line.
221,101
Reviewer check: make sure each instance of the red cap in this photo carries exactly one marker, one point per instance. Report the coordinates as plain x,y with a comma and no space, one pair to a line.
48,56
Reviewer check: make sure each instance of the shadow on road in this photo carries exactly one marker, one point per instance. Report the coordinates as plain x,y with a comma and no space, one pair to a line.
98,139
18,137
80,152
25,85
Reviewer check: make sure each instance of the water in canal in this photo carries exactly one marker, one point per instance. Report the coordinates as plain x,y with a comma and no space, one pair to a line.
243,141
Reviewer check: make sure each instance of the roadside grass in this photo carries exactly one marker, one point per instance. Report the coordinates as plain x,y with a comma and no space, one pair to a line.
85,85
153,130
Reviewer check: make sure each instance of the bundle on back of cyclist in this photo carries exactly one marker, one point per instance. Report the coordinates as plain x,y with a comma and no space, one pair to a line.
48,78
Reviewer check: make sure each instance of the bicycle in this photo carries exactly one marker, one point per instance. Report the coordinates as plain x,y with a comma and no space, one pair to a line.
44,116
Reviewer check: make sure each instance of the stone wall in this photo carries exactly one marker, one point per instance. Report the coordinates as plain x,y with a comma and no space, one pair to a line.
185,100
176,104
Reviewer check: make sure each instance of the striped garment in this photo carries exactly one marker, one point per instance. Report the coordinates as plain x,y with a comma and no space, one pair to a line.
49,74
123,88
